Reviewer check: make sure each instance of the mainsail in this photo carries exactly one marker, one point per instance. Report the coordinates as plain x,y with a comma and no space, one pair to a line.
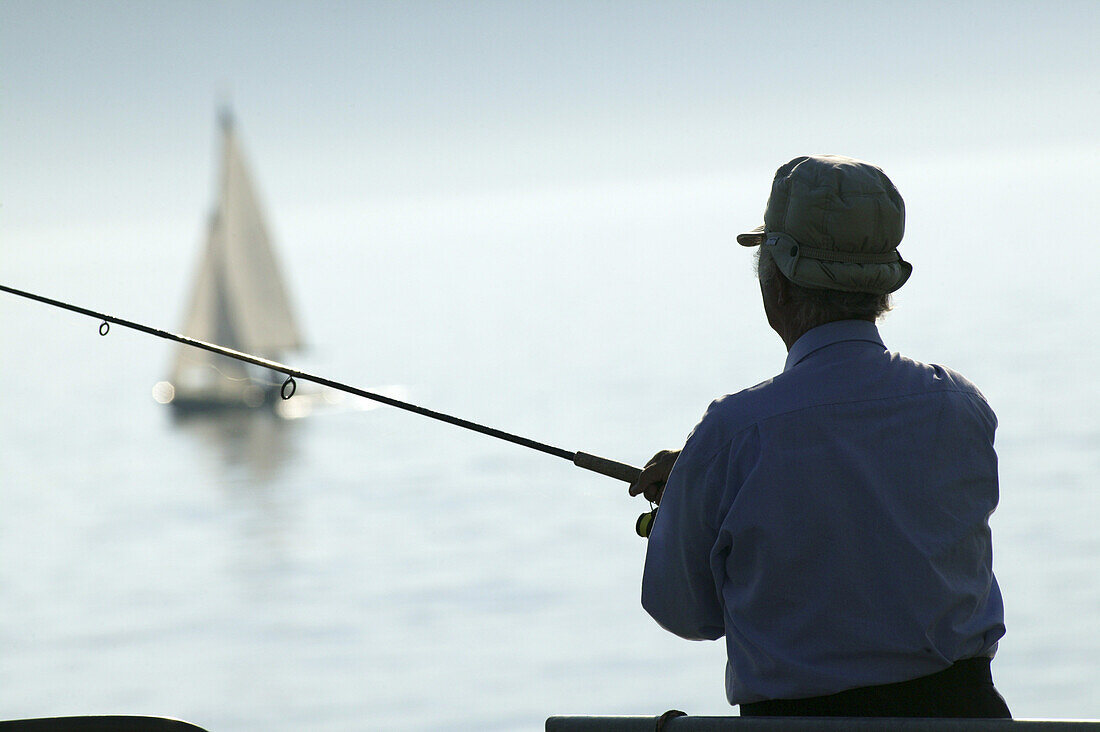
239,298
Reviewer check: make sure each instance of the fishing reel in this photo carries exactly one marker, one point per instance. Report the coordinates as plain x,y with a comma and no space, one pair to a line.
652,487
644,524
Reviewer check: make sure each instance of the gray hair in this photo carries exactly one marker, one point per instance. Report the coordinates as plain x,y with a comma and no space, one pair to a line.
812,307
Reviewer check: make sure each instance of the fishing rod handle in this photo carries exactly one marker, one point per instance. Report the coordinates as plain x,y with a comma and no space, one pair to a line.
603,466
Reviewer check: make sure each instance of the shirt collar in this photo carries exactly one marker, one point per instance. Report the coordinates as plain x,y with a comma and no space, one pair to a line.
826,335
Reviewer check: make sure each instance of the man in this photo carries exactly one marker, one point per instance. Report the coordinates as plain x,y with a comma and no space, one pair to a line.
832,522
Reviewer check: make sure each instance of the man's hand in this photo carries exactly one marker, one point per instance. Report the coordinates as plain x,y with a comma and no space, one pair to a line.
654,475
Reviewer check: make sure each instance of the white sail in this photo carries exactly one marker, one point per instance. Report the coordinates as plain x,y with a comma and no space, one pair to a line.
239,299
257,303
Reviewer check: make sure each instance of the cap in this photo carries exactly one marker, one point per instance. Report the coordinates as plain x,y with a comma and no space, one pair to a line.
834,223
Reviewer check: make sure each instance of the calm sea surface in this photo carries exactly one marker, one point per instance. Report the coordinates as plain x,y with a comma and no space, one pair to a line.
370,569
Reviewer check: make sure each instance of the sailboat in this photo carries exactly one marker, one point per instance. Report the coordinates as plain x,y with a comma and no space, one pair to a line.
238,300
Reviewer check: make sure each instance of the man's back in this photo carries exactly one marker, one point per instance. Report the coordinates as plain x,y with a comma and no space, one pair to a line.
832,523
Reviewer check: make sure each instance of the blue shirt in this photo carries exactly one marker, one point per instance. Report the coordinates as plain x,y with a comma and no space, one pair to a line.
833,523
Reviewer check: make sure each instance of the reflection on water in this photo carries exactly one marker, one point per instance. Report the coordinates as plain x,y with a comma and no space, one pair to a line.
249,451
256,441
261,441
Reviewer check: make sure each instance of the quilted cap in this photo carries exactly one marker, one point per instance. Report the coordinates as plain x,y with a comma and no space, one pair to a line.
834,223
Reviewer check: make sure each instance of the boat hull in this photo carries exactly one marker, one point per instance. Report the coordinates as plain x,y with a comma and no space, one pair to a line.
250,399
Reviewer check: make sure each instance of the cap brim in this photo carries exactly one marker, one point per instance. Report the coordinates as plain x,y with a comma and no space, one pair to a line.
753,238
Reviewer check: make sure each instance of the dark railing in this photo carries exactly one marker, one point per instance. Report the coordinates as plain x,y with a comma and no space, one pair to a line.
110,723
811,724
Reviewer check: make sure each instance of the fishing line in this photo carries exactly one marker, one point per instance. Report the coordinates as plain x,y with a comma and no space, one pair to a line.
596,464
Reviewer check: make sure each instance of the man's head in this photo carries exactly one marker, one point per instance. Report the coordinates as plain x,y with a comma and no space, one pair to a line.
828,246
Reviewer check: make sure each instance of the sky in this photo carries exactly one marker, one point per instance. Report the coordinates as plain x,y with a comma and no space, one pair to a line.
109,108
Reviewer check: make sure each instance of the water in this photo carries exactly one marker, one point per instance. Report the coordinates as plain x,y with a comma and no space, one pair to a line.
374,570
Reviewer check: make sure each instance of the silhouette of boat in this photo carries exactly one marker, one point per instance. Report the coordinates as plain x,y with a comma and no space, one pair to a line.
239,300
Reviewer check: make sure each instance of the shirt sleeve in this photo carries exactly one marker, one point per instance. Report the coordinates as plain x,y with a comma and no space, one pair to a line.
680,587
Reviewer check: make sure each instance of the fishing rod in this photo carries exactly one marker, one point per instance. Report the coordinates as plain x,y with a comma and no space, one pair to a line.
595,463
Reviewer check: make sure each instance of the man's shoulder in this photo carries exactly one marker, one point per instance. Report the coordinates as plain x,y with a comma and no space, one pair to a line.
886,376
746,406
932,376
731,415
